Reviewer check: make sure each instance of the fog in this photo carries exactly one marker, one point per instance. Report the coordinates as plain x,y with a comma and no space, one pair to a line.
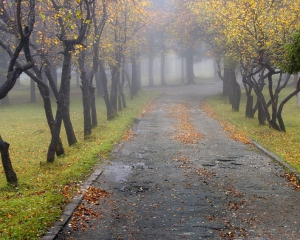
203,69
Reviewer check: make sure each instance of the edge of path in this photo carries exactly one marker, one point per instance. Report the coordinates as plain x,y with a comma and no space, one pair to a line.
278,160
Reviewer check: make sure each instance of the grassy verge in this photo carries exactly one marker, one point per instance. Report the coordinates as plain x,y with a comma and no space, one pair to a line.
285,145
28,209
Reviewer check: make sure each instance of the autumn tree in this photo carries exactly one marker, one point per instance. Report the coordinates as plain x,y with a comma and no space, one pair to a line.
99,16
252,32
70,16
14,69
187,32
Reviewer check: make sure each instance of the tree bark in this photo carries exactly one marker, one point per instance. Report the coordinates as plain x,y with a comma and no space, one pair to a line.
99,85
85,90
10,174
114,90
109,114
93,106
63,103
261,113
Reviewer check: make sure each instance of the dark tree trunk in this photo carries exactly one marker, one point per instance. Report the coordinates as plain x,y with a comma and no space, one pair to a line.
190,66
106,94
93,107
249,99
261,113
99,86
10,174
56,131
122,83
85,89
64,92
32,92
114,90
234,91
63,102
249,106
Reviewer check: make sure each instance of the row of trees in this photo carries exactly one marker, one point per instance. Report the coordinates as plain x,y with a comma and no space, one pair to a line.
252,37
257,38
92,35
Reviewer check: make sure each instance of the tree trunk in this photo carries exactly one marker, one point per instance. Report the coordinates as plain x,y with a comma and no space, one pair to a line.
261,114
134,84
151,80
190,66
63,103
93,107
249,106
235,90
162,69
55,133
44,91
85,90
122,83
10,174
99,85
182,69
139,73
114,90
106,94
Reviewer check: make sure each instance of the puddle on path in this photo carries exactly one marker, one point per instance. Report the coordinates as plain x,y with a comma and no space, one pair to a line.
119,172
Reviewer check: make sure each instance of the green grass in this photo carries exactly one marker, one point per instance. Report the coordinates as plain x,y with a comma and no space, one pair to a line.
285,145
26,211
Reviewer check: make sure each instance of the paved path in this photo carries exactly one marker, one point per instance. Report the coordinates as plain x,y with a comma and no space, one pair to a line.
162,188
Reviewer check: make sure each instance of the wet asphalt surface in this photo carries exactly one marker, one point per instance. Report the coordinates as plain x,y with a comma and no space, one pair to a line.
214,188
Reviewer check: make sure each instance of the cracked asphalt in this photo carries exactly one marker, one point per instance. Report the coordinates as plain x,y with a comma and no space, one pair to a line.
213,188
